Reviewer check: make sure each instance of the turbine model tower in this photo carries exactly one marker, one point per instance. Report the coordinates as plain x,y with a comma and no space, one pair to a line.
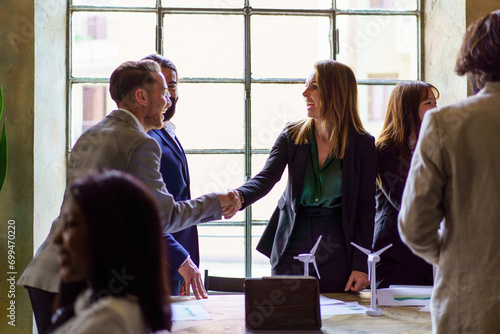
373,258
308,258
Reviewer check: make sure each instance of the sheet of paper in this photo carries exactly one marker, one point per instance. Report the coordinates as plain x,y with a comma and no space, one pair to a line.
346,308
404,296
189,312
329,301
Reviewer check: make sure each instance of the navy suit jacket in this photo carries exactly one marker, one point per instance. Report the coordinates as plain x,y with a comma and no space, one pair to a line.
358,194
175,173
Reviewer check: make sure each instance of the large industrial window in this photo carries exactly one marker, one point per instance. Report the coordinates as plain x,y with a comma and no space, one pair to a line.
242,66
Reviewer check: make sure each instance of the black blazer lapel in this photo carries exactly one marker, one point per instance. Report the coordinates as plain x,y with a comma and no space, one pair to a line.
297,172
348,178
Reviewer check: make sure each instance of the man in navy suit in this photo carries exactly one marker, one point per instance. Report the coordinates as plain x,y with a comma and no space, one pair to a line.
182,247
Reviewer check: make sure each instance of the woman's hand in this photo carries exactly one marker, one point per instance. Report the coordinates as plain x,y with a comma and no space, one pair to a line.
230,203
357,281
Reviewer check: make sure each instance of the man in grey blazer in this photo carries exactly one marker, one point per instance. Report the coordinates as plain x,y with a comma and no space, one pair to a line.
450,210
120,142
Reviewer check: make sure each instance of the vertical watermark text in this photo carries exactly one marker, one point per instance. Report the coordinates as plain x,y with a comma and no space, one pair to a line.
11,272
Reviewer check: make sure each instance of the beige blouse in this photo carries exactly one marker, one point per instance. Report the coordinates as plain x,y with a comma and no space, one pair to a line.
108,315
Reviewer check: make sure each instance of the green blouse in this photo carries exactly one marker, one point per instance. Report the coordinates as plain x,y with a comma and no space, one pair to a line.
322,186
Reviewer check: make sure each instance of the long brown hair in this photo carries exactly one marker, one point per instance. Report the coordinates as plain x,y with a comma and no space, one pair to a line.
338,93
402,119
125,232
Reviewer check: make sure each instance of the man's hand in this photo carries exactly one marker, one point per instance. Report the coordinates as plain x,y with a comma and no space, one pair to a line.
192,278
357,281
230,203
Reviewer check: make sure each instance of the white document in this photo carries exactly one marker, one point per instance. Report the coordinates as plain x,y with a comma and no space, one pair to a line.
329,301
189,312
345,308
405,296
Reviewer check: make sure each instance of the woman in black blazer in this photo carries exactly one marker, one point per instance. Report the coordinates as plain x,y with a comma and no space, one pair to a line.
407,105
331,185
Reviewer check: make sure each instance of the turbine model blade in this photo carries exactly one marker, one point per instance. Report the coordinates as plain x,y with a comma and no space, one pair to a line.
380,251
364,250
316,267
308,258
315,247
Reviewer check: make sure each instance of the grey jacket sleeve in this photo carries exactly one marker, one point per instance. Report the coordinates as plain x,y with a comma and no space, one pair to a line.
422,209
144,164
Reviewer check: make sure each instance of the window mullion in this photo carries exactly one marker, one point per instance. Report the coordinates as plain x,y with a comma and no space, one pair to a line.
159,28
248,139
334,37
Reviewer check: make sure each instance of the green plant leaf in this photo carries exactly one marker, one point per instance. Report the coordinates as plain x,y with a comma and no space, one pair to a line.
3,155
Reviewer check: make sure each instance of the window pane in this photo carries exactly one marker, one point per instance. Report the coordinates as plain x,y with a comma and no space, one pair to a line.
378,4
264,208
274,105
295,4
379,45
100,44
260,263
373,105
210,116
116,3
204,3
222,250
214,173
205,45
288,46
90,103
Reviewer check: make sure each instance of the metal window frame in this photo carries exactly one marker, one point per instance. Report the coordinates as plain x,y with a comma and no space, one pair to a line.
247,11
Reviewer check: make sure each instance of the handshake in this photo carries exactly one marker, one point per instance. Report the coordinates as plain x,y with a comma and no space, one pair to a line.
231,202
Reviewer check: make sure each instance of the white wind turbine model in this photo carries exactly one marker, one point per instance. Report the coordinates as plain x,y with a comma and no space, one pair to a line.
308,258
373,258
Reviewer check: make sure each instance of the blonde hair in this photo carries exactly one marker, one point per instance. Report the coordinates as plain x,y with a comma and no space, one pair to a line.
338,94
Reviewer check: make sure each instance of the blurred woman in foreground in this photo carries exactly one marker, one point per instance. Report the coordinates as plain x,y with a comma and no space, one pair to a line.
111,240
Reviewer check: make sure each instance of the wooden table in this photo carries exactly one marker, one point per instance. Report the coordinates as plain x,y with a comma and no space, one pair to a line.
228,316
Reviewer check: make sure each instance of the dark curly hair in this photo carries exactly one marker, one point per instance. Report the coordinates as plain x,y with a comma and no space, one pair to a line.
162,61
479,56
